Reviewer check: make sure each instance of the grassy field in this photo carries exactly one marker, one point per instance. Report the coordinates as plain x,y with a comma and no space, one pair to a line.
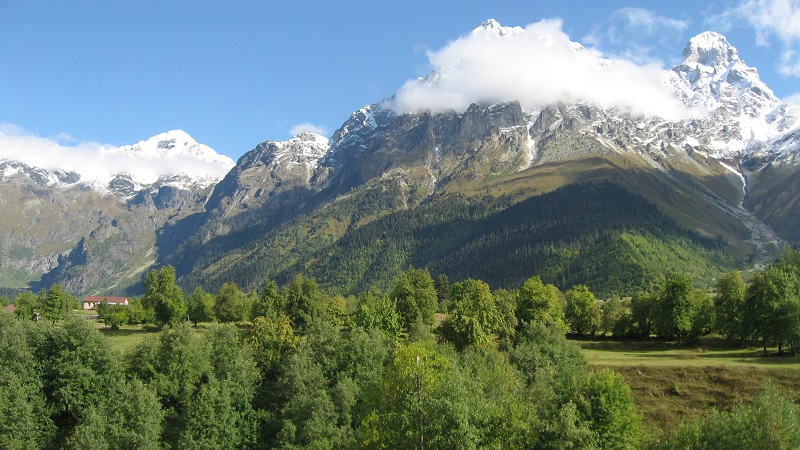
670,382
661,354
127,336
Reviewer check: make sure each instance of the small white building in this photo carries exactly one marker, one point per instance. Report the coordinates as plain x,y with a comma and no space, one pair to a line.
93,301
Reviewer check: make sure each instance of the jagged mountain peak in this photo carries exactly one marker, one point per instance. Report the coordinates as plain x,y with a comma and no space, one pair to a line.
309,138
712,78
171,144
712,49
493,28
306,146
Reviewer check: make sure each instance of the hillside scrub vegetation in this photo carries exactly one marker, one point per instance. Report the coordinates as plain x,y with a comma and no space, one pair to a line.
307,369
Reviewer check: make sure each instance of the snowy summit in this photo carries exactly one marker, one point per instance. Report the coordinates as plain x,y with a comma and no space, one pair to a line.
173,158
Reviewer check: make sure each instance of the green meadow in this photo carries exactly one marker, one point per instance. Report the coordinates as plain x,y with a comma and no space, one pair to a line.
670,382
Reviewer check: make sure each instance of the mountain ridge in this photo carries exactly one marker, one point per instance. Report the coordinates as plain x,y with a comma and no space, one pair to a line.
725,175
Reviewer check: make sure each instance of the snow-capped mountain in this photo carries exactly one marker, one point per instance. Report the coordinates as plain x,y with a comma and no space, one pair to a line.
492,28
93,212
172,159
721,162
272,169
741,114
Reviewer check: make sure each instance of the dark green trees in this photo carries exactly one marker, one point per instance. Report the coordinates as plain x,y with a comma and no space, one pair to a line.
675,308
23,403
772,311
200,306
230,303
303,301
57,304
26,303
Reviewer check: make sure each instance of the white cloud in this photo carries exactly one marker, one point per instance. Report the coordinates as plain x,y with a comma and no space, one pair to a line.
773,18
794,99
307,127
97,162
538,66
649,21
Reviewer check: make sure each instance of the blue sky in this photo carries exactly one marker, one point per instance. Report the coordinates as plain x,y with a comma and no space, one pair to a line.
234,74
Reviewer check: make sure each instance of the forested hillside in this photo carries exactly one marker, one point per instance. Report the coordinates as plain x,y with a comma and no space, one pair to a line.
596,233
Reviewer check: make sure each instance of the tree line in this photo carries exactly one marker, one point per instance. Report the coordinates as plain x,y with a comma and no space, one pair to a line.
310,371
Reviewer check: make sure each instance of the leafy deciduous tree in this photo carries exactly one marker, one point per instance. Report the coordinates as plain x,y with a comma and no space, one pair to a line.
230,303
414,294
200,306
26,302
474,317
163,296
612,312
304,301
610,410
540,302
729,307
57,303
773,307
674,311
376,310
581,312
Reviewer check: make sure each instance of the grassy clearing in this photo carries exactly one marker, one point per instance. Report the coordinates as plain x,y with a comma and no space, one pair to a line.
127,336
666,354
670,382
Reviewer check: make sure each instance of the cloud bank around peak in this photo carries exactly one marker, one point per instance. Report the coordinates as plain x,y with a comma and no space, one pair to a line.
538,66
96,163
